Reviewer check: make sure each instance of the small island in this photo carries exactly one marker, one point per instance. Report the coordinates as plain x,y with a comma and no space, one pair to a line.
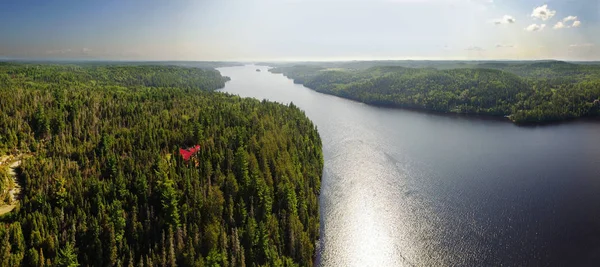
257,70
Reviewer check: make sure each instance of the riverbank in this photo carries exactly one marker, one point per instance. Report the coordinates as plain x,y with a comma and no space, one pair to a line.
523,98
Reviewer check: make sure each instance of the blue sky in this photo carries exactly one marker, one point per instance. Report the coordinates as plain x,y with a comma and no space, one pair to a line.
300,29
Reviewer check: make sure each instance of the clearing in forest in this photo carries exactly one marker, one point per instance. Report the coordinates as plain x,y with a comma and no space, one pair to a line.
13,187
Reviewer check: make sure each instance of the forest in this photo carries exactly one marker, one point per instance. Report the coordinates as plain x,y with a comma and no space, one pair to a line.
524,92
104,183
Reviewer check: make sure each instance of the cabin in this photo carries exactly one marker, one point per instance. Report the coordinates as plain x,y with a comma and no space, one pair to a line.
188,153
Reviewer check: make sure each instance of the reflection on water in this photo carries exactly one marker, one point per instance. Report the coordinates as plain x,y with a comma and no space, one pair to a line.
403,188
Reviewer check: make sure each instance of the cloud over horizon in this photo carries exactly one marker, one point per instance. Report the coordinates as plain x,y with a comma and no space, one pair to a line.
563,24
505,20
475,48
249,30
543,13
504,46
560,25
582,45
534,27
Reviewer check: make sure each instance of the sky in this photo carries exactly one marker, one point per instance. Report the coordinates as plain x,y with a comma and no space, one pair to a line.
279,30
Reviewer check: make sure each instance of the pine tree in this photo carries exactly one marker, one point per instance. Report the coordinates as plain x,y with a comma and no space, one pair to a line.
67,257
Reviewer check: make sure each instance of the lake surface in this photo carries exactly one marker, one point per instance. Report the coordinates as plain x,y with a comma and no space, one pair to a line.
406,188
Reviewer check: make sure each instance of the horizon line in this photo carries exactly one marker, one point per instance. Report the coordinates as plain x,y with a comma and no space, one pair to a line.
7,59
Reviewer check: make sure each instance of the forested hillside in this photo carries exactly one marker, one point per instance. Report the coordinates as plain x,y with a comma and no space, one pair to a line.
105,184
525,92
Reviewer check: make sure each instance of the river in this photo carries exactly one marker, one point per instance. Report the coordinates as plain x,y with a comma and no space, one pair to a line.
406,188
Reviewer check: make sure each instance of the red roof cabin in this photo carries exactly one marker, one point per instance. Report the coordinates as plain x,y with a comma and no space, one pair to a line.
187,153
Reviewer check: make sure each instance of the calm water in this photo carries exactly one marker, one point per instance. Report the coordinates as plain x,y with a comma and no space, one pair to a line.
404,188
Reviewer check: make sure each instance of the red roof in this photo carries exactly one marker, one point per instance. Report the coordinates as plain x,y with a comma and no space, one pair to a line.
187,153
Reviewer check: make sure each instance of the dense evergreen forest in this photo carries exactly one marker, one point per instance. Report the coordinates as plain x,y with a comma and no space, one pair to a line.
525,92
104,183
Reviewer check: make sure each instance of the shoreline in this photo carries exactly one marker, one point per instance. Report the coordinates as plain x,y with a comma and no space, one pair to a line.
504,118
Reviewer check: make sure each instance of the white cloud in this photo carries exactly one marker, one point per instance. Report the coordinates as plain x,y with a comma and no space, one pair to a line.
582,45
59,51
475,48
505,20
563,24
543,13
69,51
535,27
560,25
504,46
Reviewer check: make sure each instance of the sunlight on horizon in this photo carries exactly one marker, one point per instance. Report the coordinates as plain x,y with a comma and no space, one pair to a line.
301,30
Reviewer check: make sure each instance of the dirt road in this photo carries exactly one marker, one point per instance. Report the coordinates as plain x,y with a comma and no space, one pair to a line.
16,190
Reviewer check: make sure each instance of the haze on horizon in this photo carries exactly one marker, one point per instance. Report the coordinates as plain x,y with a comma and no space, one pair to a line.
300,30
